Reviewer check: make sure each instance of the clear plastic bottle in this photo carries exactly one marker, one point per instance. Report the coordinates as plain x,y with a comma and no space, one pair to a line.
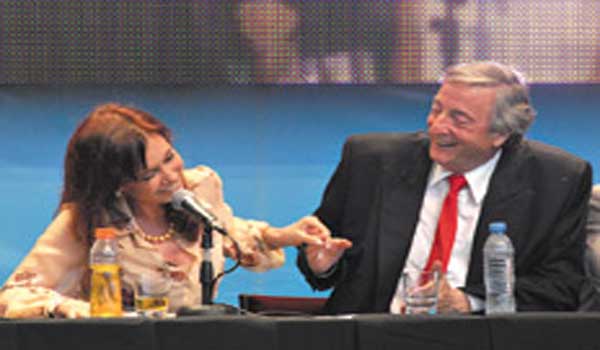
105,294
498,269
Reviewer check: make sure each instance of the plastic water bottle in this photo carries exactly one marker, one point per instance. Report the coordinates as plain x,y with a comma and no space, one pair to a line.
498,269
105,294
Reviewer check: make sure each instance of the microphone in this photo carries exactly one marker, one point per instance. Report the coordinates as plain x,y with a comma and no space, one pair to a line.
184,200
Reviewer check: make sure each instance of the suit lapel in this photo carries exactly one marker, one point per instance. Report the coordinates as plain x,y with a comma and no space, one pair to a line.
402,192
506,188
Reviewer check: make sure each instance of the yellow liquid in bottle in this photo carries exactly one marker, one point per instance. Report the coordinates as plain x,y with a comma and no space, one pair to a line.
105,296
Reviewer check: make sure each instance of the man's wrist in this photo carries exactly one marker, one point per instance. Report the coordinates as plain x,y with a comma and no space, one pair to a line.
319,275
476,304
327,273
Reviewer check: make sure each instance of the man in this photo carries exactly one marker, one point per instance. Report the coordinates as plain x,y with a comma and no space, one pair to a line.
592,254
385,198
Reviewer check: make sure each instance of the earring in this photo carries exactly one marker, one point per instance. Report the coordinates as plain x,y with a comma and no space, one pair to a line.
118,194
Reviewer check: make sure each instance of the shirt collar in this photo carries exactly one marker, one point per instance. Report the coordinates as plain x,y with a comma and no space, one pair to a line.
478,179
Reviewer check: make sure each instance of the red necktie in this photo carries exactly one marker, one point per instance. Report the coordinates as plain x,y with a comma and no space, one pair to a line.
446,230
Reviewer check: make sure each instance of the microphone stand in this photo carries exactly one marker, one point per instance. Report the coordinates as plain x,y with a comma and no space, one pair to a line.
206,280
206,269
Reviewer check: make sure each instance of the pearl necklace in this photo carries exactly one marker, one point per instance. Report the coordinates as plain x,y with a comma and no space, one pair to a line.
155,239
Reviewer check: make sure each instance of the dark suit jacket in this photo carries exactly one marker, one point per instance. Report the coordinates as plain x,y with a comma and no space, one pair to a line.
374,199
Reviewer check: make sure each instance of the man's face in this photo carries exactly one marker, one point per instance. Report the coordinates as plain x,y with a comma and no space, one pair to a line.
459,127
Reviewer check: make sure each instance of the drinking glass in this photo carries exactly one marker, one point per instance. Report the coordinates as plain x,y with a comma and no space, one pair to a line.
151,295
420,291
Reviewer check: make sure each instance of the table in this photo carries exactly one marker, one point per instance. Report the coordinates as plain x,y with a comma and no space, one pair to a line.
352,332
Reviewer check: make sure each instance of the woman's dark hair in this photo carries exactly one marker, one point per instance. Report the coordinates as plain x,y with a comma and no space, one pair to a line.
107,150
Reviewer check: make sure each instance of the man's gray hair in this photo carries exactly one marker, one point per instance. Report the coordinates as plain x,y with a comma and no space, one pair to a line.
513,113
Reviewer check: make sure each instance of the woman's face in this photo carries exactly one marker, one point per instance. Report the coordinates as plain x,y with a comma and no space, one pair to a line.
162,177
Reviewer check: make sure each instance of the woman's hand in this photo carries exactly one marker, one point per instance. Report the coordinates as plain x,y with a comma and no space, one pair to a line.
308,230
322,251
248,258
72,308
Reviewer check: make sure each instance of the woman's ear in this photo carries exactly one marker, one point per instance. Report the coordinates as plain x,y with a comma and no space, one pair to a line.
123,190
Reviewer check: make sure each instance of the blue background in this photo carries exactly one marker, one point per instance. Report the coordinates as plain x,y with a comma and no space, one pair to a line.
274,147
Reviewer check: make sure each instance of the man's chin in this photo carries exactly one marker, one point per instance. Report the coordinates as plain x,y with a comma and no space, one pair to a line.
440,155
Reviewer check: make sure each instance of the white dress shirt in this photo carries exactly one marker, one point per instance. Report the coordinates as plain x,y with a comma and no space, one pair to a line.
470,199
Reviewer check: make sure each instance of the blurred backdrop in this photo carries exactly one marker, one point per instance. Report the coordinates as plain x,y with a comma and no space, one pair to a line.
292,41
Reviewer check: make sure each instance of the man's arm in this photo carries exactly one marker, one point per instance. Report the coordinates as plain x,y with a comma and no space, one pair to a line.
558,279
592,254
323,266
554,283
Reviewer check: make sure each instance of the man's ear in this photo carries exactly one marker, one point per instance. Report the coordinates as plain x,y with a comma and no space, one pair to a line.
500,139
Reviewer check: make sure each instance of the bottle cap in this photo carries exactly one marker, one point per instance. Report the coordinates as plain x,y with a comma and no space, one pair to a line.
105,232
497,227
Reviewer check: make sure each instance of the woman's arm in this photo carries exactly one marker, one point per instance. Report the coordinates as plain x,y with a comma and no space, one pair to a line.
260,243
48,281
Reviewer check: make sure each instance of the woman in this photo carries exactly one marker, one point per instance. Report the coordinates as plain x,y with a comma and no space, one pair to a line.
121,170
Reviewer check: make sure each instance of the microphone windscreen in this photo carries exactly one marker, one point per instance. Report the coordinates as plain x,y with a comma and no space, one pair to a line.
179,197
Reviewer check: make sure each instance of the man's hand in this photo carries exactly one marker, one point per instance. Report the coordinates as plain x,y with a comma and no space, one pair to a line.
450,300
321,258
322,251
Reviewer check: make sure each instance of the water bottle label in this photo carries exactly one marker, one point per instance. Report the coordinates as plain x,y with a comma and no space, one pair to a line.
499,276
